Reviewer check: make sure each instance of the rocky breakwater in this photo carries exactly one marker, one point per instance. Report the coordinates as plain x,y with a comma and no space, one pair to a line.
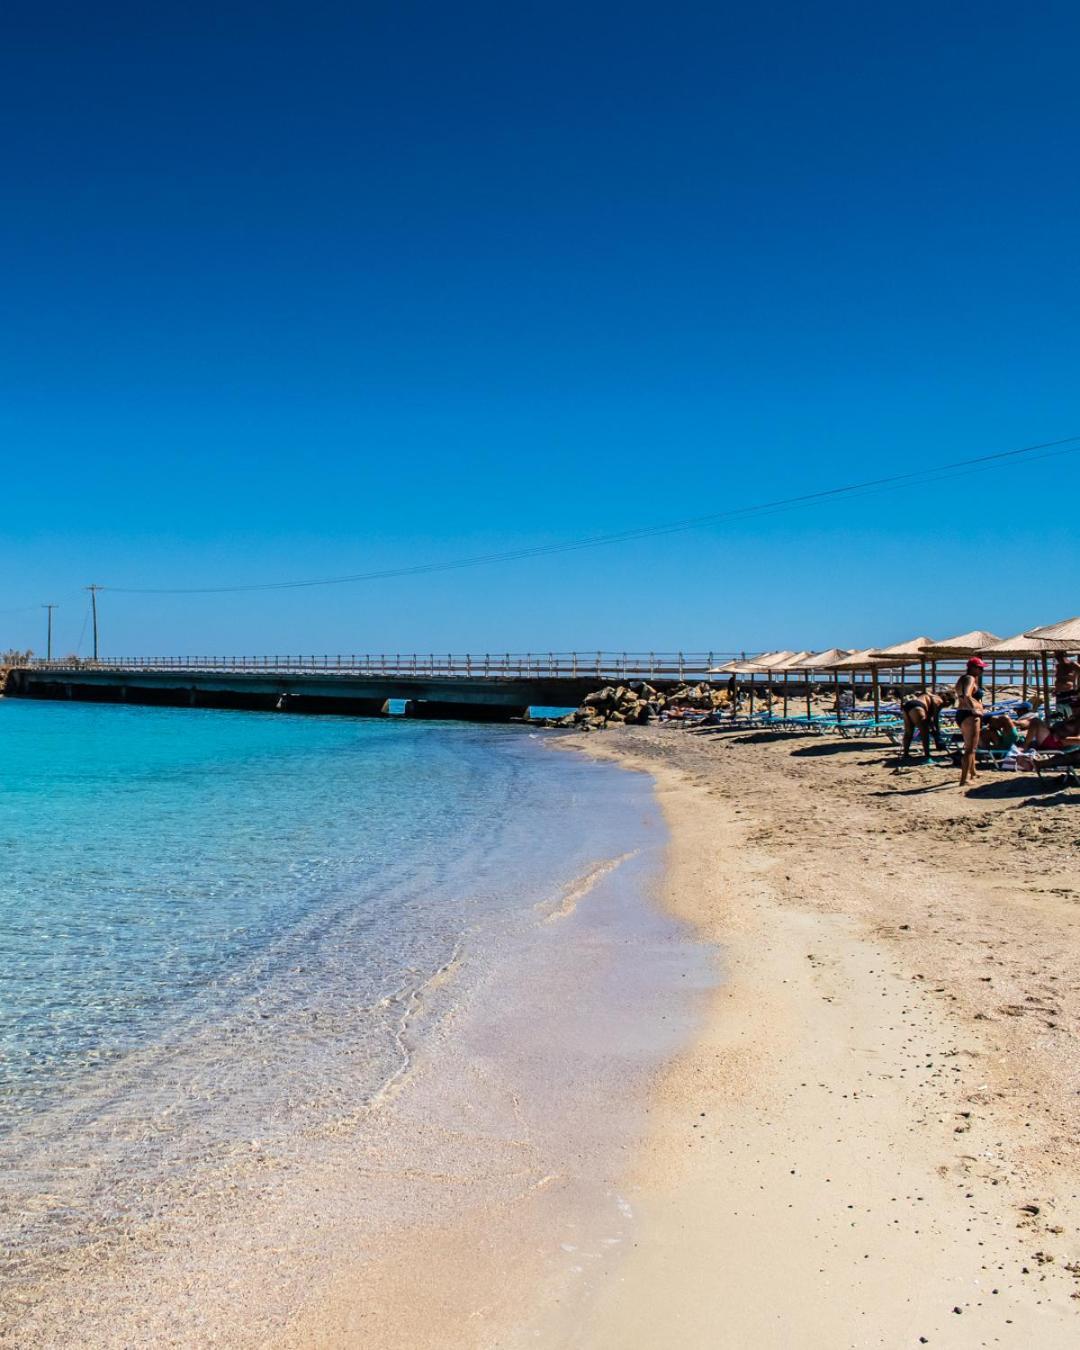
638,702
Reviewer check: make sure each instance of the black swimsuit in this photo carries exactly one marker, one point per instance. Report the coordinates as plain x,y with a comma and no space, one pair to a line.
962,714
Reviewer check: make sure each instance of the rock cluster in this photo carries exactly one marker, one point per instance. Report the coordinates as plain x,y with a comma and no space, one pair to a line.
638,702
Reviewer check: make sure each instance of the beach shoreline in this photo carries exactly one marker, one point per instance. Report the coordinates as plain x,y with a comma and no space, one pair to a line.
470,1182
817,1090
873,1141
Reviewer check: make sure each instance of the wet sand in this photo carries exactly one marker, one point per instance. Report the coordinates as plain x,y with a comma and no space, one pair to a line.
876,1142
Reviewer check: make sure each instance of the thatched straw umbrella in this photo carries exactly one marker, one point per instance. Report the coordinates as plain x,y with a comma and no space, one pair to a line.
1021,644
908,653
740,667
795,662
1029,647
870,659
770,660
823,661
1063,636
961,648
743,666
964,644
767,664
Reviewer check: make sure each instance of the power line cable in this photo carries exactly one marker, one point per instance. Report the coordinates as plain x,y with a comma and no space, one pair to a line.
930,474
21,609
957,468
82,630
25,609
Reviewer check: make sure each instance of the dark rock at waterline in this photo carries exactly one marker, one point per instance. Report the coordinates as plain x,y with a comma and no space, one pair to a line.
638,702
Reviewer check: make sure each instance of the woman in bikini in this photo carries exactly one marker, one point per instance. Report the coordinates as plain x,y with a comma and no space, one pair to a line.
969,715
922,714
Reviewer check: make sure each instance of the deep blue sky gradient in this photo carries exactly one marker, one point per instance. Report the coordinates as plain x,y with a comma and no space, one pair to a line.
295,290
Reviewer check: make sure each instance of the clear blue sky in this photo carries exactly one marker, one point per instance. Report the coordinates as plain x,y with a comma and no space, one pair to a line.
293,290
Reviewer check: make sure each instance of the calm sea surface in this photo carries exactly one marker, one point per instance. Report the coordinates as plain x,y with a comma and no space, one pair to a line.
213,925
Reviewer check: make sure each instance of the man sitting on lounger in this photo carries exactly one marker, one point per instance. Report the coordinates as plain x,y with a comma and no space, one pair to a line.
922,713
1002,731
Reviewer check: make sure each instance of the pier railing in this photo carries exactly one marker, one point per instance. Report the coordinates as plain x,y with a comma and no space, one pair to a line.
486,665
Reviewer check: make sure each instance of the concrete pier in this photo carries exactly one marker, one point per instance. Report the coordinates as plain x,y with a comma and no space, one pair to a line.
470,698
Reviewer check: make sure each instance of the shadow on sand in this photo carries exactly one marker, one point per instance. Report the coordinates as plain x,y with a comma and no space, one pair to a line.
1024,791
758,737
821,748
923,788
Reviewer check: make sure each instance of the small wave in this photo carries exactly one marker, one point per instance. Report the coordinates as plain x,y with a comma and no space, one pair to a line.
411,999
575,891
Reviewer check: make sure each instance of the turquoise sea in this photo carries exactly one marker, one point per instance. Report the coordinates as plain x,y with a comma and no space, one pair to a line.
214,925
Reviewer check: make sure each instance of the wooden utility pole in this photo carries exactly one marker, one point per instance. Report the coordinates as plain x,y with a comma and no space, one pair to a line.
48,643
93,607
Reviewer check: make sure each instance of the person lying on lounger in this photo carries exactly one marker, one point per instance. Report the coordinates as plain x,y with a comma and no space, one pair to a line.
1052,736
922,713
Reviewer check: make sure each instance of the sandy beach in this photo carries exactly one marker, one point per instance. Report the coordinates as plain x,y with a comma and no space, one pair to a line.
875,1141
844,1115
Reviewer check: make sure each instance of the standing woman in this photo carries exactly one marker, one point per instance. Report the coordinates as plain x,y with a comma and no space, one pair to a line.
969,715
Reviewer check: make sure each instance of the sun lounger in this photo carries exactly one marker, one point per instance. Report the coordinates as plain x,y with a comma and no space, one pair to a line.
1052,761
868,726
740,722
861,722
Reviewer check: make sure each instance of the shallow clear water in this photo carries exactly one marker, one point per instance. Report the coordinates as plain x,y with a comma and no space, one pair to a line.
213,925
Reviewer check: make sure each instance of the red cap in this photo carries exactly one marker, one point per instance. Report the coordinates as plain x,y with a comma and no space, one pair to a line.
976,662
